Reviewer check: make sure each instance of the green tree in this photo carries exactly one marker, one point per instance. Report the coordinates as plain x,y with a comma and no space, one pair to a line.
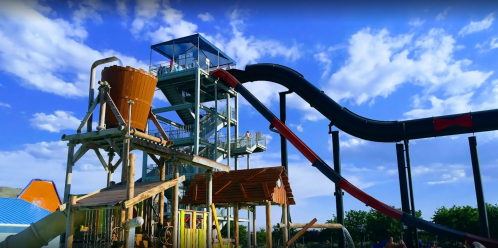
356,223
242,233
462,218
261,237
381,227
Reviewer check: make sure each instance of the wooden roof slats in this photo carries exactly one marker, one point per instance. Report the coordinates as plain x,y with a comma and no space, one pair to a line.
234,186
223,187
255,174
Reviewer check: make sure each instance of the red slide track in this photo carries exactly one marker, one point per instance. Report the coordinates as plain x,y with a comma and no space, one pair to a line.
318,163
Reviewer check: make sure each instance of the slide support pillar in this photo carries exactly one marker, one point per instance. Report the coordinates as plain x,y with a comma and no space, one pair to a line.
283,149
403,189
412,200
338,191
481,204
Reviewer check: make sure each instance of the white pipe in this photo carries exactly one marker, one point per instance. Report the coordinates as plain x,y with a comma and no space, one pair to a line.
92,85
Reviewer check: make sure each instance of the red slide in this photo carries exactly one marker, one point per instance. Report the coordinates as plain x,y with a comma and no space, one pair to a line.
318,163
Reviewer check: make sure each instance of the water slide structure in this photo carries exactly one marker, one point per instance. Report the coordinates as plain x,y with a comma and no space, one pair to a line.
361,127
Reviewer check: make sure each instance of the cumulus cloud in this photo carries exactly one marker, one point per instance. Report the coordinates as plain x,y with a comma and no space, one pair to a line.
48,54
378,63
474,27
206,17
56,122
47,160
5,105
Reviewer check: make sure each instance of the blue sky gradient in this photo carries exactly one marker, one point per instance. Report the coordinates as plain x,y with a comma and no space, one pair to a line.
382,61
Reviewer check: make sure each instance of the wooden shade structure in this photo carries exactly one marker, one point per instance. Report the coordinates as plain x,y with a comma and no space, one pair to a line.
252,186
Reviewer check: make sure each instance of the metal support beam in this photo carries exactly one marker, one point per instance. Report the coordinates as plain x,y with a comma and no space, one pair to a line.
283,147
173,108
481,204
338,191
91,90
229,131
209,197
111,155
236,158
69,176
254,234
403,188
410,185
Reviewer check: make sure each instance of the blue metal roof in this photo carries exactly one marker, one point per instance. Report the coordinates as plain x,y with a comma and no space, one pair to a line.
193,43
18,211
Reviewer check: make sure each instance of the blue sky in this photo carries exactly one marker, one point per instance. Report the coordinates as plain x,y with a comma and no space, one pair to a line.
385,62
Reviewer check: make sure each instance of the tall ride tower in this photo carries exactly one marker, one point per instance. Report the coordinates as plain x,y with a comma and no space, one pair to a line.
203,115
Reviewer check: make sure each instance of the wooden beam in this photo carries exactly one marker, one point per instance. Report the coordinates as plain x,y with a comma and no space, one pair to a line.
255,174
268,224
162,177
158,126
114,167
265,189
95,192
156,160
102,160
81,151
222,188
317,225
243,191
254,231
113,145
301,232
195,193
152,192
236,224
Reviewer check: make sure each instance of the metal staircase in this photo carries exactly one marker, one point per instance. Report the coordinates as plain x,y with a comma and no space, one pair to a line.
175,97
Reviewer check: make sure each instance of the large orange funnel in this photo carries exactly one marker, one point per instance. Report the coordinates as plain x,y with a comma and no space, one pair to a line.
128,83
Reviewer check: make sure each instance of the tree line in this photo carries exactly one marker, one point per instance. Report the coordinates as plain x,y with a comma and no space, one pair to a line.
368,227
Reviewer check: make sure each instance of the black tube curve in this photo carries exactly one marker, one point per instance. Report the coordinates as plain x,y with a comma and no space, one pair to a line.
356,125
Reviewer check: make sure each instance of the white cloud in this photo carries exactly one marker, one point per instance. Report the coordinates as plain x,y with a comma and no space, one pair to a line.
47,160
298,127
145,11
121,8
474,27
6,105
378,63
326,62
443,14
454,104
40,50
176,27
87,10
416,22
206,17
56,122
352,142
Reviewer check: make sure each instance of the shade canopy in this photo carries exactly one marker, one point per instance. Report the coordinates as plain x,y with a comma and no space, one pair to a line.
195,46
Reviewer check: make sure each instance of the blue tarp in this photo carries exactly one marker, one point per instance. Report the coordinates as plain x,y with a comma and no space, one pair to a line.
192,44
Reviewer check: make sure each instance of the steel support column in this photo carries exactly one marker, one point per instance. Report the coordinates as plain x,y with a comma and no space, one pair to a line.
410,185
67,186
236,101
481,204
197,103
283,148
403,188
338,190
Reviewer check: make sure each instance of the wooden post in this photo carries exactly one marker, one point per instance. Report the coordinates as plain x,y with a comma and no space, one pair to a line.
174,207
70,222
209,202
162,177
301,232
254,241
110,166
268,224
130,193
285,229
236,224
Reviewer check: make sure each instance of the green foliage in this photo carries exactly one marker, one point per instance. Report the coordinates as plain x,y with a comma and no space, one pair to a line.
242,233
261,236
466,218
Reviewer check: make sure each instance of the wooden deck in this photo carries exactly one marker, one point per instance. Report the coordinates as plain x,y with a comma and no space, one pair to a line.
115,196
